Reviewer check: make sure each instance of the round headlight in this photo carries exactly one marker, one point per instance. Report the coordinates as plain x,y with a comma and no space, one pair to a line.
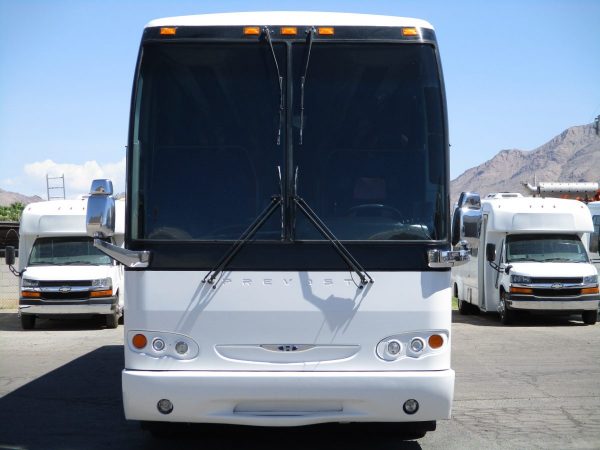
417,345
158,344
394,347
181,348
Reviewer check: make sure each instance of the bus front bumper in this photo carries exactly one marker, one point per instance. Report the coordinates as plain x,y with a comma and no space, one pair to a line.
287,398
580,303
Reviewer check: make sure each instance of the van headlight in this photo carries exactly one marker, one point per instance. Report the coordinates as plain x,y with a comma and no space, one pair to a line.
105,283
590,279
27,283
520,279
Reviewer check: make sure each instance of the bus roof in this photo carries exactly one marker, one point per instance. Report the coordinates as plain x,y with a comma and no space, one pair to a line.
297,18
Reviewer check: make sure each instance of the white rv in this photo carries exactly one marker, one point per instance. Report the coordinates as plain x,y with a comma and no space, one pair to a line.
62,273
528,254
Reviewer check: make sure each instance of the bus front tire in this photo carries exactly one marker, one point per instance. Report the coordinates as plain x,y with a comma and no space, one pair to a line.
112,320
27,321
589,317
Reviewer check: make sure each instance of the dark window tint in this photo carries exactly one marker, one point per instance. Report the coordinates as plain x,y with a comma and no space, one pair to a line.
372,162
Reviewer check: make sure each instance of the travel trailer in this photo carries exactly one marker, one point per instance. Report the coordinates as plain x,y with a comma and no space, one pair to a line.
306,277
528,255
62,273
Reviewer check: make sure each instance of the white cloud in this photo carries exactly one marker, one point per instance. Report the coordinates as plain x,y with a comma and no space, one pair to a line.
78,177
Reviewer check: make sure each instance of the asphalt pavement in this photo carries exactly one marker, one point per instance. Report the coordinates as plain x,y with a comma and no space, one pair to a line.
532,385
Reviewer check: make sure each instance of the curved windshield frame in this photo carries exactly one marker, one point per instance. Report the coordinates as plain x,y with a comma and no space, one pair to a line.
67,251
545,248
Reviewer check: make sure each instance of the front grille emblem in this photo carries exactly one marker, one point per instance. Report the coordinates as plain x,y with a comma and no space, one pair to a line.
557,286
64,289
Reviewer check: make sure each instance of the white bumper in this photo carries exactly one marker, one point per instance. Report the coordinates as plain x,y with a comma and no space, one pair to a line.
287,398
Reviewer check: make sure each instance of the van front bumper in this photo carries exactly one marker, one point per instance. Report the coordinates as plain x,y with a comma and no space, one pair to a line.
102,305
287,398
579,303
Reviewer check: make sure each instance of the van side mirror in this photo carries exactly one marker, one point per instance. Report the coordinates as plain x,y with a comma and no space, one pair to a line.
100,218
9,255
490,252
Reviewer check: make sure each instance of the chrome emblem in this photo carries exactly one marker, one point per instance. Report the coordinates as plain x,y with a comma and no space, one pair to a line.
557,286
64,289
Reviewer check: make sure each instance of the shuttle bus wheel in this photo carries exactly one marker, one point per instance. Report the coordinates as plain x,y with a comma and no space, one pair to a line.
507,316
27,321
112,320
589,317
463,307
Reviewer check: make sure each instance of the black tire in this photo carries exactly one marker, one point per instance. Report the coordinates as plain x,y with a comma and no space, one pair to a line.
589,317
463,307
112,320
27,321
507,316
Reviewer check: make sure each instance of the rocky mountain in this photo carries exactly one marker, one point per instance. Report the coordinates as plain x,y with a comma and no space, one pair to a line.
572,156
7,198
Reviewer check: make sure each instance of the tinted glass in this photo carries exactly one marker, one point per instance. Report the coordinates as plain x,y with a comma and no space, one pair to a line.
545,248
205,151
67,251
372,162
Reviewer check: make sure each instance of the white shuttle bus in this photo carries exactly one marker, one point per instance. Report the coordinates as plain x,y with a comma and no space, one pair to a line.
62,274
288,230
528,255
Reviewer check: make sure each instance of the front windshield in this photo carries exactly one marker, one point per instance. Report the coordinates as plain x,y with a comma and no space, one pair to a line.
59,251
545,248
372,160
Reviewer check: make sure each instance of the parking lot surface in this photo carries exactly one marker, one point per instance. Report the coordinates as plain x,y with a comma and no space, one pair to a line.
532,385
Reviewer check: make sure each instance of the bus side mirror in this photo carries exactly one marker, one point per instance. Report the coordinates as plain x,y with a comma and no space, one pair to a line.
490,252
100,217
9,255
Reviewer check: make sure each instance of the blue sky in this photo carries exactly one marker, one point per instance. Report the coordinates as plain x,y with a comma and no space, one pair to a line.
517,73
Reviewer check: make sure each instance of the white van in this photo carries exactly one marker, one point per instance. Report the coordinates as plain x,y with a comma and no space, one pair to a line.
62,273
534,256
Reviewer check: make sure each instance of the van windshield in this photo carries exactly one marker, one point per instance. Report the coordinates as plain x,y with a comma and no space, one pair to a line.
64,251
545,248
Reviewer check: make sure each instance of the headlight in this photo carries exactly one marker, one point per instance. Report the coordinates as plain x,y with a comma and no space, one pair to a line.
105,283
30,283
590,279
520,279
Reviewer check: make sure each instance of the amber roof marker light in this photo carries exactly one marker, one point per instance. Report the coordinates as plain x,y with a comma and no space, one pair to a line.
409,31
168,31
252,31
326,31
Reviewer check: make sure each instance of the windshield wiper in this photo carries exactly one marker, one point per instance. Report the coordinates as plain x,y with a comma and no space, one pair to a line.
311,33
267,34
211,277
352,263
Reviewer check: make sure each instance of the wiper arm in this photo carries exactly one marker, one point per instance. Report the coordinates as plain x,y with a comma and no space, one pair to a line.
211,277
311,33
352,263
267,34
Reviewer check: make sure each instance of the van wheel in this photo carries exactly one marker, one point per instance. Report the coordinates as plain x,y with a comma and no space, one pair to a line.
507,316
112,320
27,321
589,317
463,307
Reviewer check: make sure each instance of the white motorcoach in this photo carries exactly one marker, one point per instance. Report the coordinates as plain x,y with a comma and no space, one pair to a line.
528,254
62,273
288,235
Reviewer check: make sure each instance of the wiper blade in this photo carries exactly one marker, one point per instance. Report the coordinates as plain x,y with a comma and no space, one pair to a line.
352,263
311,33
267,34
211,277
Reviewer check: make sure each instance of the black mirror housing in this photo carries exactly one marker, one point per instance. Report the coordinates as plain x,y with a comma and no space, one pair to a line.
9,255
490,252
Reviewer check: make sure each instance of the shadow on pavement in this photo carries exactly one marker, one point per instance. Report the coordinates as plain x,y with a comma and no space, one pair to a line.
9,321
523,319
78,406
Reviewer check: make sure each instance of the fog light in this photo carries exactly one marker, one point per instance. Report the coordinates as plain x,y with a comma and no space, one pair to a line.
165,406
158,344
394,347
416,345
411,406
181,348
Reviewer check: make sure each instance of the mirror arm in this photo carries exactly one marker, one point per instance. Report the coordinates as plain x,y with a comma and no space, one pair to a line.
129,258
440,259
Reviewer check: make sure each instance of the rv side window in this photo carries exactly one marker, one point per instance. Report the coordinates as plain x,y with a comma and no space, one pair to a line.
545,248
